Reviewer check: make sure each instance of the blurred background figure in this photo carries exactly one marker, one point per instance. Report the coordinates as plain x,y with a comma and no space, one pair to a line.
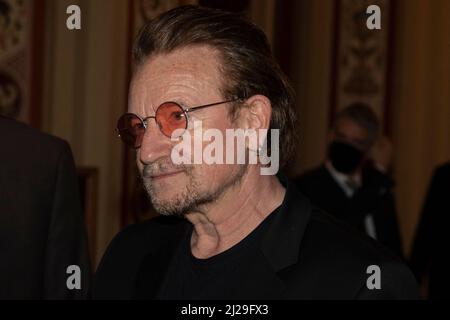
429,258
352,184
41,222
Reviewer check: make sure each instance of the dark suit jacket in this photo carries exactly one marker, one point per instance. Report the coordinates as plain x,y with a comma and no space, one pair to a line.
430,250
374,197
41,226
304,254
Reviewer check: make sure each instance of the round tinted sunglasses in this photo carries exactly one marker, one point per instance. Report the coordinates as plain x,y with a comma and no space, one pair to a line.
169,117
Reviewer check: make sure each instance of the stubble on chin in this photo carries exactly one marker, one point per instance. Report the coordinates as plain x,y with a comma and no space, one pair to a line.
190,197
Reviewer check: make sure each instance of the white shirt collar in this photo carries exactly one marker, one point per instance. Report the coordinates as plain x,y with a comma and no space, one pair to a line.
342,178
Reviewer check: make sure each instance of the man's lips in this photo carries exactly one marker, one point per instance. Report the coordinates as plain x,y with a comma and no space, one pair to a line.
163,175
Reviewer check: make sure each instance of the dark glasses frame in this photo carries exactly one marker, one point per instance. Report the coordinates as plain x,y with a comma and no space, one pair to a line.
185,111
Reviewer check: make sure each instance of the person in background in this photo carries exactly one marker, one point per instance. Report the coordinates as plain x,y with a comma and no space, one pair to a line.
41,223
429,259
352,184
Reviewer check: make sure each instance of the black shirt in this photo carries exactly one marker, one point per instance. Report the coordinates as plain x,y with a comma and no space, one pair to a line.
302,253
213,278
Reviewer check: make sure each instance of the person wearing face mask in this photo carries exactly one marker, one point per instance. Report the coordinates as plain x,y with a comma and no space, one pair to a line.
352,184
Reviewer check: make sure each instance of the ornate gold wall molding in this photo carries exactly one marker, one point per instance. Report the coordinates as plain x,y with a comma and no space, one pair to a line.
19,59
361,56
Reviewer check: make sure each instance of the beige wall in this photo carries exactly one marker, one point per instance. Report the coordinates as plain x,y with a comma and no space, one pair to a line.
85,92
312,41
421,101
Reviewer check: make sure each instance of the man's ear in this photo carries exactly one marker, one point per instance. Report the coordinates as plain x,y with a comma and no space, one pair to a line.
256,113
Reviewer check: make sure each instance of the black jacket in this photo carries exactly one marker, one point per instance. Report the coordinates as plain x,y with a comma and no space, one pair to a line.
304,254
430,250
41,226
374,197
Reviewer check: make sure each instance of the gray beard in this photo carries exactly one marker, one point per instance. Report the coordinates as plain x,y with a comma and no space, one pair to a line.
192,198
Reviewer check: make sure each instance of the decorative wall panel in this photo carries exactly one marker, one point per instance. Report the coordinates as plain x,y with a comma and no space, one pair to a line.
361,56
19,33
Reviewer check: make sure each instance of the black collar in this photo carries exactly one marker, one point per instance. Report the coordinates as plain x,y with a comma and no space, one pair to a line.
279,245
281,242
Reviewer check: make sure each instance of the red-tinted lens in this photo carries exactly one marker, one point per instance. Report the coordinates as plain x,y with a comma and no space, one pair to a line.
169,117
131,129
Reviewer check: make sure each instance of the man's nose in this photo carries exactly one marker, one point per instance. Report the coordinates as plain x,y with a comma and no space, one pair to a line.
154,145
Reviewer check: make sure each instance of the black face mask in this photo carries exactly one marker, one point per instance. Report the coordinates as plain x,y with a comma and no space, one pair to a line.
345,158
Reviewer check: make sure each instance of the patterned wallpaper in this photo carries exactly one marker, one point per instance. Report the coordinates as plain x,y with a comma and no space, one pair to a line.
15,58
361,56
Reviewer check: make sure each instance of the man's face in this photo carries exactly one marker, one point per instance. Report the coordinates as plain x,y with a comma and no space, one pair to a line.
350,132
190,77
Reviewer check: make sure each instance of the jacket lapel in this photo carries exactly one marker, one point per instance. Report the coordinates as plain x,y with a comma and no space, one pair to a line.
281,243
279,249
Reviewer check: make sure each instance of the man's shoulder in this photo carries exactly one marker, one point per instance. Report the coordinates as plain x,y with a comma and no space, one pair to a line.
311,177
313,172
147,234
340,258
115,276
39,144
343,239
443,170
374,178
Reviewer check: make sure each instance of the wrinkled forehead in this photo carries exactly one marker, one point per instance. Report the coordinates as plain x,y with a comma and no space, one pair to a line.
187,74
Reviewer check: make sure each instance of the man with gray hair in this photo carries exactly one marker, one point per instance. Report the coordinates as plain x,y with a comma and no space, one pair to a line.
226,231
353,184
